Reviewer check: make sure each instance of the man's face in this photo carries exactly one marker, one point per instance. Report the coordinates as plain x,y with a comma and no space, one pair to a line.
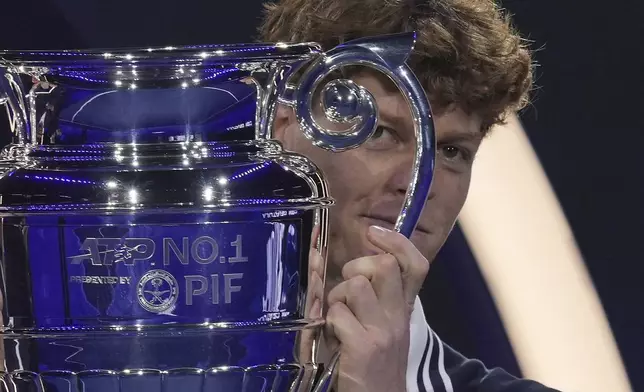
369,183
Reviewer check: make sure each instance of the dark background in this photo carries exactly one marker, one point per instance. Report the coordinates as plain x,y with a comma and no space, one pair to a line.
585,124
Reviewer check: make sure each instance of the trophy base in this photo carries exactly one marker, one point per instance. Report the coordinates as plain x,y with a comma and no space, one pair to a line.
268,378
167,360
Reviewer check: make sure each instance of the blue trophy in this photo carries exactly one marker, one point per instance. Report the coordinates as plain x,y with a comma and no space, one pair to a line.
154,238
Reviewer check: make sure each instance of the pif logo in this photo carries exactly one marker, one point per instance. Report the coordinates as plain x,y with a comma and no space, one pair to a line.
157,291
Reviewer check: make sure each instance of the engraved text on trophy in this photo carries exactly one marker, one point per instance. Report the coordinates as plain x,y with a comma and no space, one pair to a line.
158,290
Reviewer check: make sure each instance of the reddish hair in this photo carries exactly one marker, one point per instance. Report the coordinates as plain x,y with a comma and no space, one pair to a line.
467,52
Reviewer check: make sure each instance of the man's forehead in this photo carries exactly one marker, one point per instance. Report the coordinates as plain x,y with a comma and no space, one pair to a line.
394,110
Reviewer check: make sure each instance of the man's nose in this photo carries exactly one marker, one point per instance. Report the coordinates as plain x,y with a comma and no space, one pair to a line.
403,174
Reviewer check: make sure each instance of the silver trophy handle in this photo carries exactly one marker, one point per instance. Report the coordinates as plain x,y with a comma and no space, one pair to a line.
344,101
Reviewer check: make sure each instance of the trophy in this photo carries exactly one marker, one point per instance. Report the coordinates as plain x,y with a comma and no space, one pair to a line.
154,236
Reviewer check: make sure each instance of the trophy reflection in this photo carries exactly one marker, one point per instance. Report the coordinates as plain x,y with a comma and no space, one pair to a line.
154,237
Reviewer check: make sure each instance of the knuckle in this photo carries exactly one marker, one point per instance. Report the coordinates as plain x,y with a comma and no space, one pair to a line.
348,270
421,268
387,266
335,310
389,263
358,284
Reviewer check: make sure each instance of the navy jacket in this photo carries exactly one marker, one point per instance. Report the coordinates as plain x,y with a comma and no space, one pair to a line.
433,366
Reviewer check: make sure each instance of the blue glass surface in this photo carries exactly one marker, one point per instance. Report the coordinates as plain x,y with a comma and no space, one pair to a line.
135,271
224,112
149,240
168,272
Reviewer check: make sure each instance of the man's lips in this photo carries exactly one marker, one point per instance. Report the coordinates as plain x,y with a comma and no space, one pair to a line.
389,221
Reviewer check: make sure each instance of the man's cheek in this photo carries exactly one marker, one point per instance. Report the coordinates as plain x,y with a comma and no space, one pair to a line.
421,241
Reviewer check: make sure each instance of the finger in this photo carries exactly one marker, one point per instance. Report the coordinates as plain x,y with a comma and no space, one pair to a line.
385,275
315,294
314,298
309,336
413,265
343,325
316,262
315,289
315,236
358,295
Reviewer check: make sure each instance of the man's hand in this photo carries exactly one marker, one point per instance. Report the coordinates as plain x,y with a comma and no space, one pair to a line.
369,314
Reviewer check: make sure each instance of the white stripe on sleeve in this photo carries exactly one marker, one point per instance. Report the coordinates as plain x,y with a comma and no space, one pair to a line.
417,345
441,364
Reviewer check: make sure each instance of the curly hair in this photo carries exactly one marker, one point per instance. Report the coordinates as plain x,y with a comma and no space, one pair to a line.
467,52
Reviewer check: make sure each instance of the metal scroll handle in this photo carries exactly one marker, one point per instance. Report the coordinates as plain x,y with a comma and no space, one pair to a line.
344,101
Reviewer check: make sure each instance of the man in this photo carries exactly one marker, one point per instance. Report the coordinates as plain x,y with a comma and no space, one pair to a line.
476,70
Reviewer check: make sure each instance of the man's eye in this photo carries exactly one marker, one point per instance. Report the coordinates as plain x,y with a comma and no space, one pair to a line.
383,138
455,154
380,131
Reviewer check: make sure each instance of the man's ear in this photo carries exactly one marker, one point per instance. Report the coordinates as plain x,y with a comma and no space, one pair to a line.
284,116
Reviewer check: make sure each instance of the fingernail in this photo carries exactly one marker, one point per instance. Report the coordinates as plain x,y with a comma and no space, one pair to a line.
378,231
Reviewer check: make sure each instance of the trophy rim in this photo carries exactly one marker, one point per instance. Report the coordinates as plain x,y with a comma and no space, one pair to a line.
212,53
23,159
155,330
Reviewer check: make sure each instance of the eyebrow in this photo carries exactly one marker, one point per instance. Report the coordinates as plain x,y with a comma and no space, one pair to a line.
399,118
403,120
460,136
